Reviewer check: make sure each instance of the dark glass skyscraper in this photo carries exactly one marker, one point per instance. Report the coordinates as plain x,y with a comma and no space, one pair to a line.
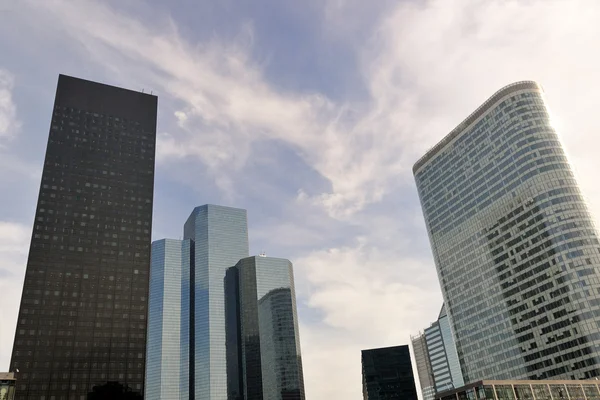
263,342
82,320
387,374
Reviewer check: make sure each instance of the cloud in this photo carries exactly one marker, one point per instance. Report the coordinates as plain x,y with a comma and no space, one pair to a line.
428,65
229,104
9,124
368,296
14,241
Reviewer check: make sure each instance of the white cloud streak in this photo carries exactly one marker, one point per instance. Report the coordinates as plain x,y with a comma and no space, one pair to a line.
9,124
229,105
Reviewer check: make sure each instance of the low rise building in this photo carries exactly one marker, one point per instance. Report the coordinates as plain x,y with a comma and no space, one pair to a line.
8,383
524,390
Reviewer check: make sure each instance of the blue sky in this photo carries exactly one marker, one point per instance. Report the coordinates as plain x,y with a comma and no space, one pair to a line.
308,114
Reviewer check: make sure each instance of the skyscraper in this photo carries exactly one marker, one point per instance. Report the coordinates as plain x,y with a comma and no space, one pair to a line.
233,336
387,374
442,354
164,350
516,250
220,239
423,366
186,326
82,320
263,345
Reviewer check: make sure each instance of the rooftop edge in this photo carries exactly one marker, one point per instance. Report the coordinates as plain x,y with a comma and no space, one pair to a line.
506,90
89,81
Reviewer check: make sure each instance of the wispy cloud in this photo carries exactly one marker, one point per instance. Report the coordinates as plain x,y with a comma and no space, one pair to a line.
227,104
9,124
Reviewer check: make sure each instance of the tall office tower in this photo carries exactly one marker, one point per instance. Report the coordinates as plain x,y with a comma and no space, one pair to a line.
82,320
263,346
516,249
387,374
220,239
187,318
442,354
233,336
166,306
423,366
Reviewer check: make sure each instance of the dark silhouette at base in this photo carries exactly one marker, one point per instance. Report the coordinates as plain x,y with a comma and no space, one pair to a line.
113,391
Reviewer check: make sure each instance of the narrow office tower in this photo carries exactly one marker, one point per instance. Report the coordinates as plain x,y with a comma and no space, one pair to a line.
220,239
424,370
516,250
167,348
263,347
442,354
82,320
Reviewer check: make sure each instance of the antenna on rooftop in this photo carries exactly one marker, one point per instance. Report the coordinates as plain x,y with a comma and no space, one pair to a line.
262,254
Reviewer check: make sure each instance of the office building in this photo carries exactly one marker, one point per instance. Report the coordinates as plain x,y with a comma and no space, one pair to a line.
424,370
7,385
187,318
263,344
220,237
516,249
233,336
82,319
387,374
442,354
188,277
166,307
524,390
186,325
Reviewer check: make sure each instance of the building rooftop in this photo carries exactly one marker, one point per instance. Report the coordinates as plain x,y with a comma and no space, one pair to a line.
482,109
7,376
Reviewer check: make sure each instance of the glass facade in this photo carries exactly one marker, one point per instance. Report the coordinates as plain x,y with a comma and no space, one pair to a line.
442,354
220,239
266,362
233,335
163,371
186,374
450,349
516,250
424,370
524,390
387,374
82,319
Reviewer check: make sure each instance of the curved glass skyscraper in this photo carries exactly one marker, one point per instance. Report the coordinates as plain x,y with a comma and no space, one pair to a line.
516,249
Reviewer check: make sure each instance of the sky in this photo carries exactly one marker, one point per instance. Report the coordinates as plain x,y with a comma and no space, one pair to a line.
309,114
